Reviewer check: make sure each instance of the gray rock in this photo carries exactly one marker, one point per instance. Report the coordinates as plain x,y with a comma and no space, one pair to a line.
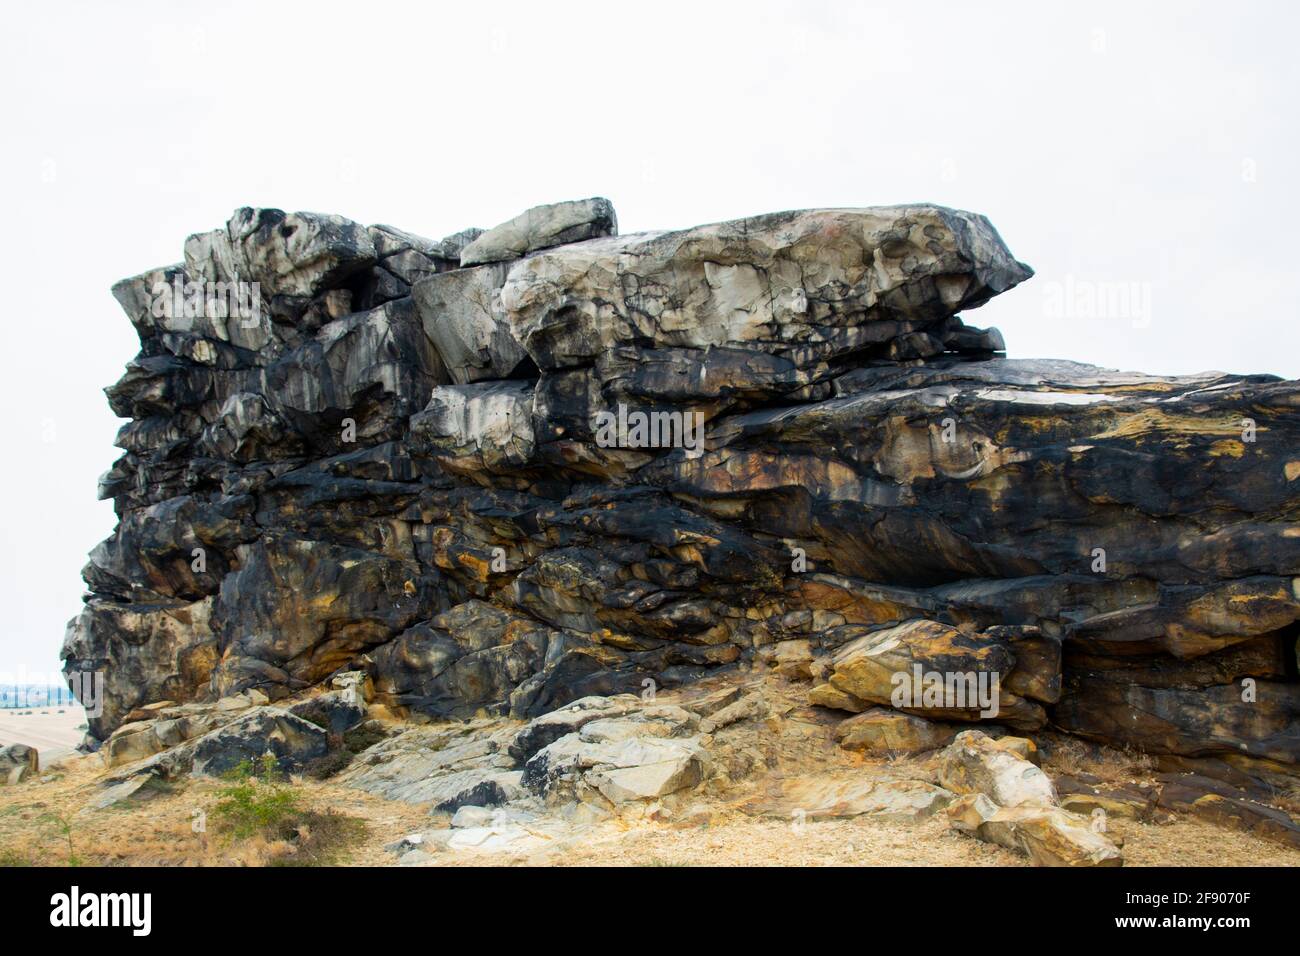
461,313
294,254
18,762
879,274
475,548
626,759
975,763
291,740
541,228
333,711
472,429
548,728
134,789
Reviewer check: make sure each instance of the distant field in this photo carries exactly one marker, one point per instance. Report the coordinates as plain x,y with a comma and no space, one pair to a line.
52,733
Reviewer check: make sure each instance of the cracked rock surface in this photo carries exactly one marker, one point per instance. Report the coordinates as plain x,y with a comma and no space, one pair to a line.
391,464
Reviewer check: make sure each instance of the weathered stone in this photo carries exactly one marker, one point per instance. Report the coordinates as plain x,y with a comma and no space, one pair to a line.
1191,721
291,740
447,767
1085,797
749,707
298,254
391,439
143,652
975,763
875,274
469,657
1049,836
462,315
635,761
1227,806
882,731
297,610
18,762
823,798
542,227
964,671
476,430
136,789
335,712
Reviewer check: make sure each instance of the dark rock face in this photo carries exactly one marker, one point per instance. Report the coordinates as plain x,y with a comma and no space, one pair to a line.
572,467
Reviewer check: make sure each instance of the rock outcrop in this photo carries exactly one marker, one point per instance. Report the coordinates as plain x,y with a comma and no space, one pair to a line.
18,762
503,472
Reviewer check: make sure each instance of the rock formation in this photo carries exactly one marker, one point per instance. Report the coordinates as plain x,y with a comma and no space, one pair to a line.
505,471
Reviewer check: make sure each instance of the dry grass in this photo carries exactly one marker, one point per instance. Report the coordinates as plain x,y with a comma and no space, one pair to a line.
162,830
1073,757
1286,799
174,826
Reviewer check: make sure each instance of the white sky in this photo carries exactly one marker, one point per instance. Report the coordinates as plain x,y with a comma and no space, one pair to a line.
1109,143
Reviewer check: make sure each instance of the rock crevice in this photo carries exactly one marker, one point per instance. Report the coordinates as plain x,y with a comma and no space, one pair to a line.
351,448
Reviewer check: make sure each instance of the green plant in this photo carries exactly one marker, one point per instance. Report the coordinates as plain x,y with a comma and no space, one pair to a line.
63,826
257,799
10,857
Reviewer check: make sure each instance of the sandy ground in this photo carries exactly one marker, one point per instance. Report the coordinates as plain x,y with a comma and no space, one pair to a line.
52,733
47,822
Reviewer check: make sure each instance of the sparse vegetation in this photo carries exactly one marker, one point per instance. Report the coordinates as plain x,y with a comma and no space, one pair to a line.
62,825
360,738
259,804
1070,756
319,839
322,768
9,857
257,799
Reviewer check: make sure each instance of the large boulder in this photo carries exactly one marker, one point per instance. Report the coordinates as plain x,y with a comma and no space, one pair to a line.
976,763
462,315
642,756
18,762
1049,836
805,286
292,740
541,228
542,731
932,669
883,731
293,254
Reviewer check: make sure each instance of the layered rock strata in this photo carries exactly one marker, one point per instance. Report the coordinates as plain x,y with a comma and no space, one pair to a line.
504,471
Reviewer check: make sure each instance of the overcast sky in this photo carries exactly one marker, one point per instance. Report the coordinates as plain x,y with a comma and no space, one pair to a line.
1119,148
